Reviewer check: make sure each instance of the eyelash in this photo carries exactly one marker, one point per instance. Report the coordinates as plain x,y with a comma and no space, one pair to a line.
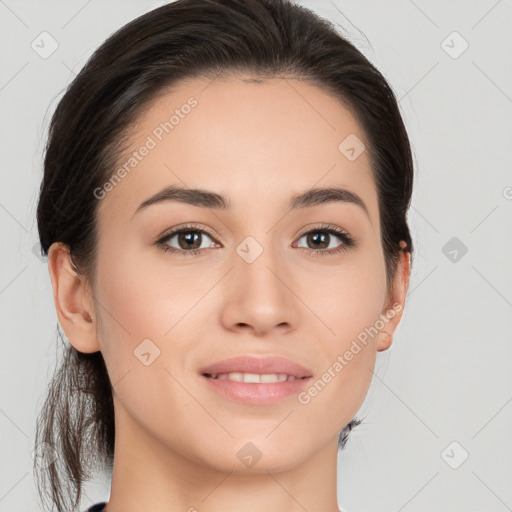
347,239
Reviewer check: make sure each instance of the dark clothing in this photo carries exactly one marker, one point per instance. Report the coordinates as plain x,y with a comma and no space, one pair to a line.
98,507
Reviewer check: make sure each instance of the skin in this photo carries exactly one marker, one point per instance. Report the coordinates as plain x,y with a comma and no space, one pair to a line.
176,440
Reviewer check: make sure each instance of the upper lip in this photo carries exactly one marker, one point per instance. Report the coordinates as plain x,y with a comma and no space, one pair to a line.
259,365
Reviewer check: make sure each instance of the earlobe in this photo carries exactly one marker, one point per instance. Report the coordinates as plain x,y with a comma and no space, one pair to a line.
72,300
395,302
385,340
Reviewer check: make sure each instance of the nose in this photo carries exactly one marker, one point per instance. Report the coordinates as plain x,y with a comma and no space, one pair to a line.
259,296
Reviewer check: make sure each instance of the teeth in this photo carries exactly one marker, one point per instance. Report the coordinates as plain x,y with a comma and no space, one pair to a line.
255,377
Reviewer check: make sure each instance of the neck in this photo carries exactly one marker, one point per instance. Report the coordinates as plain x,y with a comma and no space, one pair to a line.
150,475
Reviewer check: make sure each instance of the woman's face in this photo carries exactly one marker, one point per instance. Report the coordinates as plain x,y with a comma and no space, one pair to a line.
269,278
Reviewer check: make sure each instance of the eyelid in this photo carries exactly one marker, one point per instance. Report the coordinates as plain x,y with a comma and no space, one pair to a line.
185,227
325,227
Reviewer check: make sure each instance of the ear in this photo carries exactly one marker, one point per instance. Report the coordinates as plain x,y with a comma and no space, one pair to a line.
395,302
74,303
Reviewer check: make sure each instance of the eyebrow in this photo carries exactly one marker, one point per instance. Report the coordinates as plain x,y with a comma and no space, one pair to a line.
207,199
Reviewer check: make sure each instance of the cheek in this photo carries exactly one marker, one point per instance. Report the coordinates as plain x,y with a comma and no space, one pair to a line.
351,307
128,313
140,301
350,297
142,311
135,310
341,384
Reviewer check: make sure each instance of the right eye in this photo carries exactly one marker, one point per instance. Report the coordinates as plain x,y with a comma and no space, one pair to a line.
188,238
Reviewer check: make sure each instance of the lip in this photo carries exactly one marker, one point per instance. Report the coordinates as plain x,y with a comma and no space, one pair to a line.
260,365
256,393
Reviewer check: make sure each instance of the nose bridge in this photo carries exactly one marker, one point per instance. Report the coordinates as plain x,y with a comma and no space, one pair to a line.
257,260
258,295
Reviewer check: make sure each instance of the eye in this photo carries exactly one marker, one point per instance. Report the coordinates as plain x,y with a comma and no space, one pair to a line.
321,236
188,238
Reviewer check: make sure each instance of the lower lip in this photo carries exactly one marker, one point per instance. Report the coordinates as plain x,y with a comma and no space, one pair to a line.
254,393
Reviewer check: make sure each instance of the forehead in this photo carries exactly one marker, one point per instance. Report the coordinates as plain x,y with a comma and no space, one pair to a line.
248,140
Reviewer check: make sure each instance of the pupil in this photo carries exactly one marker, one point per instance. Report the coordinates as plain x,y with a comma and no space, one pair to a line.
189,237
316,236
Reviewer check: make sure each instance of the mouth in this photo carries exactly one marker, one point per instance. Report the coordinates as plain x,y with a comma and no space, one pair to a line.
253,388
255,378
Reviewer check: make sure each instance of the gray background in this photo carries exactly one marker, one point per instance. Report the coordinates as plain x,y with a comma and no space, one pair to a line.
444,389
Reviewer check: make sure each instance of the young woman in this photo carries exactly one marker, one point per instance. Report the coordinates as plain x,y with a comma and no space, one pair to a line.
223,207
